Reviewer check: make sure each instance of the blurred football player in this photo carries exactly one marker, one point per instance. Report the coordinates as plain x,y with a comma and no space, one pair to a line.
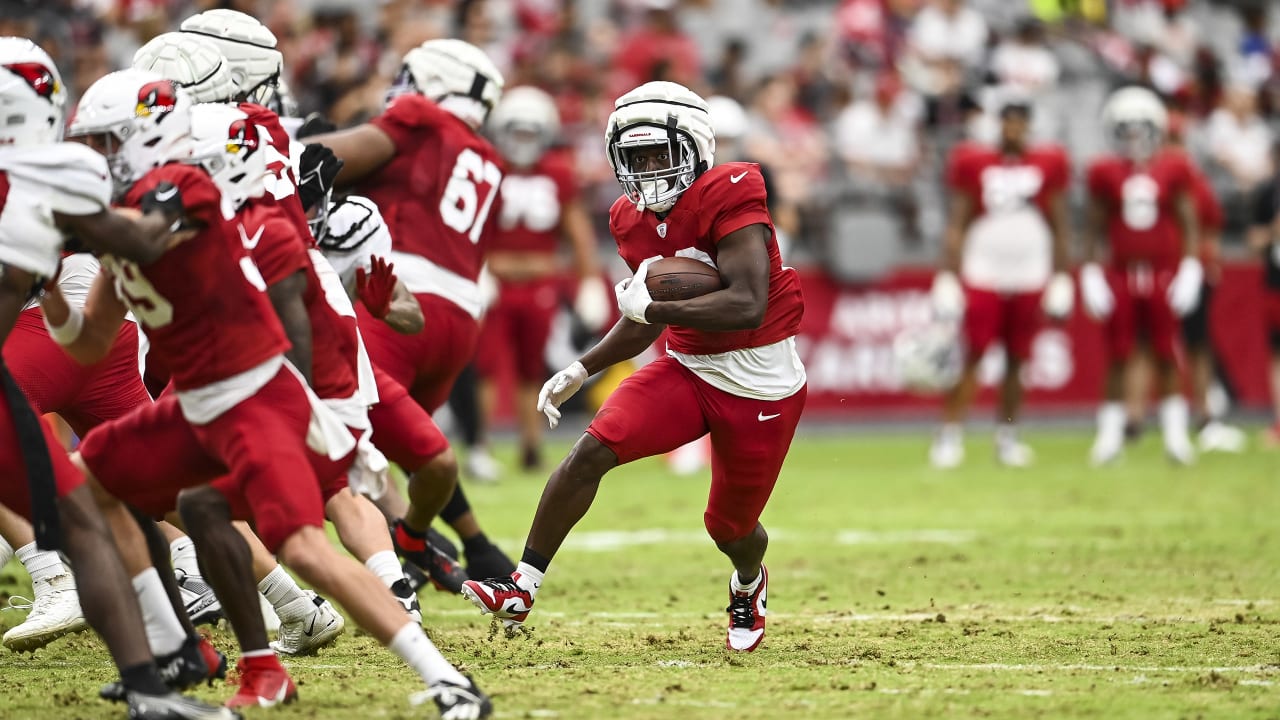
238,408
1141,201
540,206
731,367
1208,401
48,190
436,179
1264,239
1004,268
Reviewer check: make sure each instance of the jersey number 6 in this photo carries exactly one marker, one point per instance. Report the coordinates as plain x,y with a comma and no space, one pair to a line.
460,207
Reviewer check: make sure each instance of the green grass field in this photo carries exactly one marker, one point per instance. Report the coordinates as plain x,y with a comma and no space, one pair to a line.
1136,591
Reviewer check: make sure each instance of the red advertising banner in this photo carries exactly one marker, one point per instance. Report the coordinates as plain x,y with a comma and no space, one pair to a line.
847,346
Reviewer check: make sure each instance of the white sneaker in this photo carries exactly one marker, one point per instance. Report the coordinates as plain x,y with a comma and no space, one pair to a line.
269,618
481,466
1106,449
54,613
1179,450
1014,454
1218,436
202,605
947,451
313,629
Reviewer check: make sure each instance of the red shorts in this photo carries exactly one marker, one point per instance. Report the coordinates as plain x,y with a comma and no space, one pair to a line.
664,405
402,430
516,329
147,457
85,396
14,493
1012,318
1142,310
427,363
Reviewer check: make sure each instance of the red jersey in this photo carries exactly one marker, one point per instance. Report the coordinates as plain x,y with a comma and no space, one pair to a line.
203,303
1141,206
278,251
439,192
724,199
533,200
997,182
282,183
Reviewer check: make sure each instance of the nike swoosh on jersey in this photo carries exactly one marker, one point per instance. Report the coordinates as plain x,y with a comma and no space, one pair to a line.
735,178
166,196
762,417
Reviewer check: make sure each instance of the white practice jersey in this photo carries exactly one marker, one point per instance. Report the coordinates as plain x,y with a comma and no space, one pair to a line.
36,182
355,234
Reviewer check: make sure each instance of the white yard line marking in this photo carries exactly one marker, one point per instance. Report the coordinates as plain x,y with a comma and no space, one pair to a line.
616,540
1053,667
897,537
953,615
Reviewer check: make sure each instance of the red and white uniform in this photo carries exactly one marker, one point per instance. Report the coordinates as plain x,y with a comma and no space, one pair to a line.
35,182
746,388
402,429
85,396
439,197
1140,202
281,179
1008,247
237,409
518,323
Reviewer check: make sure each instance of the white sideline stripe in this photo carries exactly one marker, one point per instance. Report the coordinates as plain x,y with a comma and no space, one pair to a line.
1038,667
614,540
952,615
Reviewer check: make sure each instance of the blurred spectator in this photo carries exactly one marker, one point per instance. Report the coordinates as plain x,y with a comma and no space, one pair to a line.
788,139
728,77
1023,66
871,32
657,50
878,141
1239,144
1252,63
947,36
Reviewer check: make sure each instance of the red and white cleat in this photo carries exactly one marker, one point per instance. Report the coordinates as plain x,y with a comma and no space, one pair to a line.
501,597
263,683
746,616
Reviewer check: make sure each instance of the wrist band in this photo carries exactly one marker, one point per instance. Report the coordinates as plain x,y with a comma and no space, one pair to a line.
67,332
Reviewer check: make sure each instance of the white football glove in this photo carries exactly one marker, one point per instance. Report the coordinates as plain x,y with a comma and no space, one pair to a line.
1059,296
1095,292
947,296
592,303
1184,290
633,294
559,388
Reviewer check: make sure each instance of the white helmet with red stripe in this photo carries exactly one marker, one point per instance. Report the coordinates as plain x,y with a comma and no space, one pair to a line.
142,119
32,96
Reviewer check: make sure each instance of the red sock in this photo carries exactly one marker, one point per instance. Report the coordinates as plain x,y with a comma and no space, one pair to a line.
410,540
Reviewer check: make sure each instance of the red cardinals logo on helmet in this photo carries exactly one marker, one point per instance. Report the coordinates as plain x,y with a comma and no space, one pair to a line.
242,135
39,77
157,98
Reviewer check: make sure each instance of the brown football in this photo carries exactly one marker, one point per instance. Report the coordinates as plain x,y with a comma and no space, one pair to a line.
681,278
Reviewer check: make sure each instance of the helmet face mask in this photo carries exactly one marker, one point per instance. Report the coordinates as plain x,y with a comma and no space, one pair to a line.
654,165
1136,139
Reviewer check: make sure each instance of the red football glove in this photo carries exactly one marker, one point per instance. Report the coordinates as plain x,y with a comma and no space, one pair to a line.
376,288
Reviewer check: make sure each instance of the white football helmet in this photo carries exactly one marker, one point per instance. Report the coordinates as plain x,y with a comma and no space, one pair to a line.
928,356
663,114
250,50
457,75
193,62
226,144
525,124
32,96
140,119
1135,119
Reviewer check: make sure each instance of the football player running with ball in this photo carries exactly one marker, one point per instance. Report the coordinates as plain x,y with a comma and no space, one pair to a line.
731,367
